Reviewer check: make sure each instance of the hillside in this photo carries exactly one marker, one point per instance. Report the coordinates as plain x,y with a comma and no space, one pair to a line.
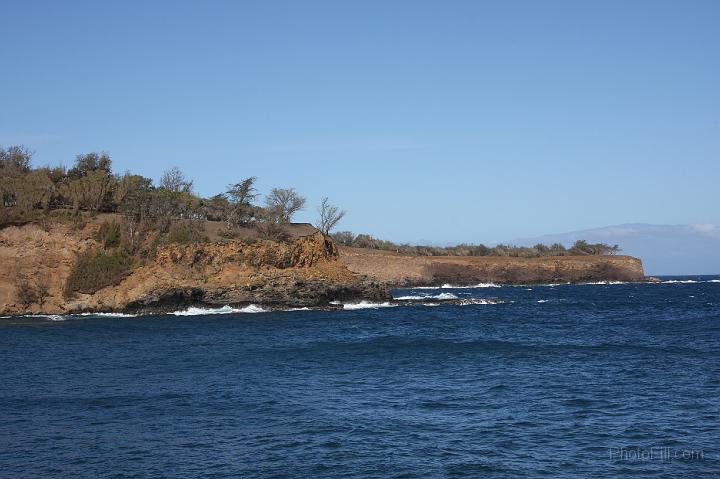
302,272
306,270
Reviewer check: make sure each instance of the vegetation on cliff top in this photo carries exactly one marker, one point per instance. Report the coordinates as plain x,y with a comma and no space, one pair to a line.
170,208
145,215
580,248
170,212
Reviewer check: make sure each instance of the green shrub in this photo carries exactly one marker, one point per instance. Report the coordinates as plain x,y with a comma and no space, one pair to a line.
109,234
185,232
95,270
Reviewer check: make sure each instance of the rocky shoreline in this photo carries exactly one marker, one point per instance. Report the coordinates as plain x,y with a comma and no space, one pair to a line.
306,272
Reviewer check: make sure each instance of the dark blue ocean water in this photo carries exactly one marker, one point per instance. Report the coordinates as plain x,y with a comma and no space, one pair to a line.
618,380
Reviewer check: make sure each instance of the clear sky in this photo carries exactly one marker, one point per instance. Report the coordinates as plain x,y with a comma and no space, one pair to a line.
441,121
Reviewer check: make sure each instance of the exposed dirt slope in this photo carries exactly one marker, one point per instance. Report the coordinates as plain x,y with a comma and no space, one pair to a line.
396,269
304,272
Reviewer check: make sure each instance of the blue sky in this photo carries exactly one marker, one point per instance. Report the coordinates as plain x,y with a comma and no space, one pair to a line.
428,121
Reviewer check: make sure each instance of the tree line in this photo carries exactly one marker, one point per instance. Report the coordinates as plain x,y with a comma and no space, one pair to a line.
28,193
580,248
175,213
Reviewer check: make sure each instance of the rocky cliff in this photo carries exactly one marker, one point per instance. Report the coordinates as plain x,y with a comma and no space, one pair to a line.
400,270
308,271
302,273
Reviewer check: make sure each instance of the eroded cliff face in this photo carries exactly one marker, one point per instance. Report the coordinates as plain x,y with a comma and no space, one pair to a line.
399,270
303,272
308,271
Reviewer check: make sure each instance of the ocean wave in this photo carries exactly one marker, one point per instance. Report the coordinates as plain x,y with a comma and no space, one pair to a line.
452,286
470,302
543,300
603,282
427,296
193,311
681,281
49,317
479,285
367,305
108,315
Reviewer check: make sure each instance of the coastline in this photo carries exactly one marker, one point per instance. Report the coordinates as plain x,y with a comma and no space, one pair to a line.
307,271
398,270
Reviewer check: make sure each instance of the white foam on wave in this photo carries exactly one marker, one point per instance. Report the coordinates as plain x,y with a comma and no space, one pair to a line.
109,315
452,286
543,300
367,305
471,302
479,285
49,317
603,282
427,296
714,281
680,281
193,311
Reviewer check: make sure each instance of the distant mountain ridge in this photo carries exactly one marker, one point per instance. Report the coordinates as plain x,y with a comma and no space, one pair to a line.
664,249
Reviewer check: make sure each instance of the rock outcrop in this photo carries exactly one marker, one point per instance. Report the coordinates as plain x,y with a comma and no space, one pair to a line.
304,272
401,270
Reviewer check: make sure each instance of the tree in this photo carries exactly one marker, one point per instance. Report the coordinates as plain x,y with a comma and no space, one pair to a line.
346,238
133,196
42,289
14,166
241,196
243,192
90,162
557,249
174,180
16,158
581,247
25,292
330,216
90,191
284,203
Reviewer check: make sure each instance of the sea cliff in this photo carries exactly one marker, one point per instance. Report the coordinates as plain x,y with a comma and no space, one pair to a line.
403,270
303,272
308,270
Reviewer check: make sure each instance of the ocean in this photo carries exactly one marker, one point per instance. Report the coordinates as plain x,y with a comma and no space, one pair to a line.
563,381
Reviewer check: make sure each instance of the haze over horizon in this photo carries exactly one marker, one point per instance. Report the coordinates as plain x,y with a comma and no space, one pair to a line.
469,122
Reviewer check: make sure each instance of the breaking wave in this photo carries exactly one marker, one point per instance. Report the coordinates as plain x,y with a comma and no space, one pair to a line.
427,296
452,286
224,310
367,305
49,317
